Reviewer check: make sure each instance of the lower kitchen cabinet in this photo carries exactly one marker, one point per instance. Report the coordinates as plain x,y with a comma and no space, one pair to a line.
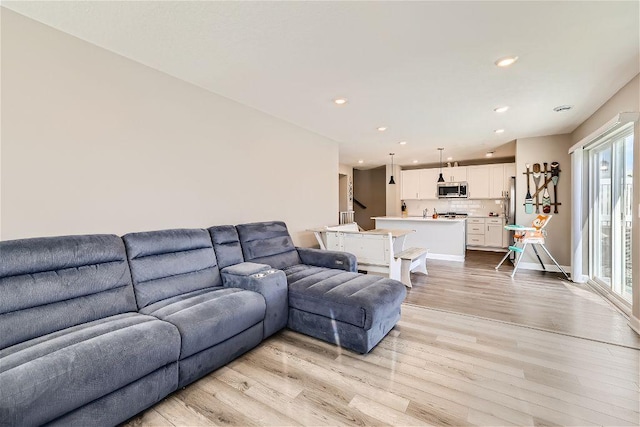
475,231
485,233
493,234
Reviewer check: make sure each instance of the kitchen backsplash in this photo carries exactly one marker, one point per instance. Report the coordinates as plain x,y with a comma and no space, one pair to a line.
471,207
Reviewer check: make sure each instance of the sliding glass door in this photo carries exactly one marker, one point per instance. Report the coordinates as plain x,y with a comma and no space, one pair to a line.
611,192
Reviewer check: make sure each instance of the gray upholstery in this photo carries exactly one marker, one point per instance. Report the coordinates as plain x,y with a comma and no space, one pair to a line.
167,263
52,283
327,298
68,327
194,367
357,299
209,316
124,403
245,269
329,259
270,283
268,243
343,334
252,276
74,351
226,244
46,377
176,279
352,310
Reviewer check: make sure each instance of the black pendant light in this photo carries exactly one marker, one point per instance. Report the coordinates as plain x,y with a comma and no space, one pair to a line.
440,178
391,181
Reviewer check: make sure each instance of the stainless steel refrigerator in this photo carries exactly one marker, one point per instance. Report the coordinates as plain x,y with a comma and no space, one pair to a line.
510,207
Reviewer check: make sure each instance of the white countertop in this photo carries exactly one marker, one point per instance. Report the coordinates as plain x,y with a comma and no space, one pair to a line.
419,218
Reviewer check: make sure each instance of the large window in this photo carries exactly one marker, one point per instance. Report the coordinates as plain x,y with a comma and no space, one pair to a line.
610,197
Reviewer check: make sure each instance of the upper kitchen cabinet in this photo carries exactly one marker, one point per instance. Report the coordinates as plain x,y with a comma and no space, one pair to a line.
410,184
490,181
509,171
429,183
455,174
496,181
478,178
485,181
419,184
500,179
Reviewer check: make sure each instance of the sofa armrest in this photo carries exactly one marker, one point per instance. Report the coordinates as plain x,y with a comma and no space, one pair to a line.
268,282
329,259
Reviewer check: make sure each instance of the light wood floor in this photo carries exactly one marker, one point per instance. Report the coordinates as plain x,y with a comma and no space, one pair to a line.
435,367
532,298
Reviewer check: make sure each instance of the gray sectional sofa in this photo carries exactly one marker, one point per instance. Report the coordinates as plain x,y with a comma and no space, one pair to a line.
96,328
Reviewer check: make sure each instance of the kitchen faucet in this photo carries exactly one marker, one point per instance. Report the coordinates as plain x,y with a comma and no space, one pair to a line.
424,213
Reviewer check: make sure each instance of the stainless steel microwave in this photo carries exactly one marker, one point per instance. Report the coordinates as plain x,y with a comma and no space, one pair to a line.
449,190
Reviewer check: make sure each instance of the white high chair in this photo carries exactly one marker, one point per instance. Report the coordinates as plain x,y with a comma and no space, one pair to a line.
533,236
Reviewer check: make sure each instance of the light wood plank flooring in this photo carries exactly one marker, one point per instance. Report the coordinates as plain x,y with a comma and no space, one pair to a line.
459,356
532,298
434,368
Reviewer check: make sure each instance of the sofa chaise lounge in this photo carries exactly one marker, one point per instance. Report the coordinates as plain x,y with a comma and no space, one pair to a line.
96,328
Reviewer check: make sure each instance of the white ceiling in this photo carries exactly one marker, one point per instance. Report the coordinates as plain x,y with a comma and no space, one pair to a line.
424,69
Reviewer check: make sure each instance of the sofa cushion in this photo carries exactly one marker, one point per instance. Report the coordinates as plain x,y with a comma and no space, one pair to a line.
358,299
209,316
167,263
46,377
226,244
52,283
268,243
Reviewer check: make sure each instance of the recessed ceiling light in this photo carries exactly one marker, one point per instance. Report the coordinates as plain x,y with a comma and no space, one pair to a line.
361,161
449,159
561,108
499,131
506,61
415,161
340,101
402,142
382,128
501,109
489,154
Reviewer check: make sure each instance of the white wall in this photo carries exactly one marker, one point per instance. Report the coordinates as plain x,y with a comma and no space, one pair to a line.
96,143
548,149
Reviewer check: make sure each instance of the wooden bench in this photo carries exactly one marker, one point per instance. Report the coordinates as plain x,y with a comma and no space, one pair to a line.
377,251
412,260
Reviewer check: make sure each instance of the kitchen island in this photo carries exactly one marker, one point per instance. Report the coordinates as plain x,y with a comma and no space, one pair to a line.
444,238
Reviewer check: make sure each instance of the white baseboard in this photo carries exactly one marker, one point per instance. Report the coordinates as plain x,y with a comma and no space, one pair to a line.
634,323
486,249
583,278
538,267
445,257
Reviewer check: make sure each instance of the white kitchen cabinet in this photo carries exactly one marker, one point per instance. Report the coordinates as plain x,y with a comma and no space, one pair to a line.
478,179
493,232
455,174
485,181
475,231
410,184
509,171
428,189
497,181
490,181
486,233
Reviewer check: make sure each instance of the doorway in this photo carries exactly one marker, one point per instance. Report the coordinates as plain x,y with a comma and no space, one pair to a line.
610,198
369,198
